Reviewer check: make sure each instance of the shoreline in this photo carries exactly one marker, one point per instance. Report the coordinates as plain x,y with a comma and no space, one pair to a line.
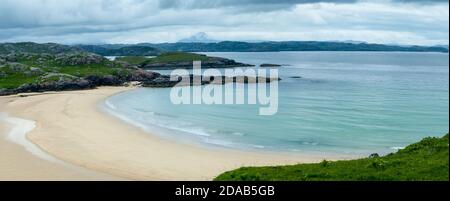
162,132
71,127
18,129
22,160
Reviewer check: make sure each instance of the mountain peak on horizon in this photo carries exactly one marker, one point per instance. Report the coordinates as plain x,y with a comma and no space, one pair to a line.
200,37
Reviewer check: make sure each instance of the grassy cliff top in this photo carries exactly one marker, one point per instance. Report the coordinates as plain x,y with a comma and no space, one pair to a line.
165,58
427,160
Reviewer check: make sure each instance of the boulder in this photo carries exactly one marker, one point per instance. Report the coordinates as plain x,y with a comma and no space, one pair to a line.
61,85
11,57
75,59
108,80
17,67
6,92
34,71
143,75
374,155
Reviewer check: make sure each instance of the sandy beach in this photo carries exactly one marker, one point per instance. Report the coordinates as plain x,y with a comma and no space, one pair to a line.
94,145
19,164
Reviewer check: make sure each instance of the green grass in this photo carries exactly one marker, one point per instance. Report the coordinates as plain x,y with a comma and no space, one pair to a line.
179,57
83,71
165,58
427,160
11,79
134,60
16,80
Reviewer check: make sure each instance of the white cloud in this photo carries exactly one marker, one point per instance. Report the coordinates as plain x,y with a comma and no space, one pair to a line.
134,21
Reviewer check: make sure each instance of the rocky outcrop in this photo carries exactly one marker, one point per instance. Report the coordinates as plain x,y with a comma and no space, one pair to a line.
269,65
164,81
374,155
76,84
37,48
212,62
75,59
64,82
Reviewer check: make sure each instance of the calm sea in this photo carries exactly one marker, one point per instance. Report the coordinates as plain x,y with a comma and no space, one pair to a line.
346,103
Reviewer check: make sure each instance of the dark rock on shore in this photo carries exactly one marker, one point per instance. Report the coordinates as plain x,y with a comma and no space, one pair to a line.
270,65
64,82
374,155
76,84
164,81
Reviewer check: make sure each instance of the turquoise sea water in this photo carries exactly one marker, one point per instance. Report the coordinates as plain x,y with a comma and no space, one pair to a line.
345,103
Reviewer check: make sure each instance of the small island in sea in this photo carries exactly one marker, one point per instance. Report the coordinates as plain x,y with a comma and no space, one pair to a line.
177,60
265,65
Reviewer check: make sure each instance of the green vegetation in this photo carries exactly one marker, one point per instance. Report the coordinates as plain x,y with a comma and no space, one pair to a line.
133,60
10,79
165,58
178,57
121,50
427,160
30,68
87,70
29,47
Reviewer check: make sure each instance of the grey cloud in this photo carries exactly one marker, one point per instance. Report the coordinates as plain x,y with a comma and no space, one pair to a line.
169,20
422,1
275,4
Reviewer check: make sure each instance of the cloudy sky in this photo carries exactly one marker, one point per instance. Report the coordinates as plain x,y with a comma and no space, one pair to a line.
418,22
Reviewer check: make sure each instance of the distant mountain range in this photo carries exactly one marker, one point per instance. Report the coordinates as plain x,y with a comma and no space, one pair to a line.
121,50
149,49
201,37
233,46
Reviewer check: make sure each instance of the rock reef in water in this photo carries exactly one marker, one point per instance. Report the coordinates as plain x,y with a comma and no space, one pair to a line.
165,81
270,65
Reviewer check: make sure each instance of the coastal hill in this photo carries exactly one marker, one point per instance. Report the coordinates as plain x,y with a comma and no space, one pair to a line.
32,67
33,72
121,50
233,46
37,48
174,60
426,160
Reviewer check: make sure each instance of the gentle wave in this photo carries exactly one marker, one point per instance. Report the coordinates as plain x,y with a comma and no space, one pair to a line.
345,102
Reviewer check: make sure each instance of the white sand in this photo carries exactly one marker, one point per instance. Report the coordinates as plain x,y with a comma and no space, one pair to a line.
22,160
70,127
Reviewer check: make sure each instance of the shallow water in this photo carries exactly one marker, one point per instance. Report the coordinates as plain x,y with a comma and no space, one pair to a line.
345,103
